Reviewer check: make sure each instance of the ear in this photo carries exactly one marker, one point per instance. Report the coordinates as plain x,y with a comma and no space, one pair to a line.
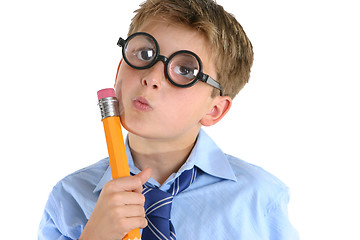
117,72
219,109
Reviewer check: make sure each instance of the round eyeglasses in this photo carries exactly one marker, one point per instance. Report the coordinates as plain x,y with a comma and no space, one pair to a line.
183,68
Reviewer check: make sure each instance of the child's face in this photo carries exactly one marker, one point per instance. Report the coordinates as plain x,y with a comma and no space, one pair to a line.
151,106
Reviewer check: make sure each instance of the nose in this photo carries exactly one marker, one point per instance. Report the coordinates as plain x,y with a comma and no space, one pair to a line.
154,76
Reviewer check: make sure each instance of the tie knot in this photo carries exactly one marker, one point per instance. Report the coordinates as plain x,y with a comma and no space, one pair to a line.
156,199
183,181
158,205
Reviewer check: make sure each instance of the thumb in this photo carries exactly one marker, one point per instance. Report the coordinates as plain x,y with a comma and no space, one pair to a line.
144,175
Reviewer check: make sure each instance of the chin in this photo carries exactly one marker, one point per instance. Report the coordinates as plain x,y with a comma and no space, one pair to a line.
138,129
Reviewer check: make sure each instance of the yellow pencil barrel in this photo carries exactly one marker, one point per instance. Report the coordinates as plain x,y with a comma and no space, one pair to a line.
115,142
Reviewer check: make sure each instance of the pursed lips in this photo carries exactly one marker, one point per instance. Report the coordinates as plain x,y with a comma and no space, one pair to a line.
140,103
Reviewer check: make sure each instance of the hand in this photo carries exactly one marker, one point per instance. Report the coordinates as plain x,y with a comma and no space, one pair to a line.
119,209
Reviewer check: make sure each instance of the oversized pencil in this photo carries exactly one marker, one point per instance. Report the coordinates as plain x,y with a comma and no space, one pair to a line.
110,114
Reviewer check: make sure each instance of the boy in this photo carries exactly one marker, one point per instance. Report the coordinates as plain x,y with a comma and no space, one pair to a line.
183,63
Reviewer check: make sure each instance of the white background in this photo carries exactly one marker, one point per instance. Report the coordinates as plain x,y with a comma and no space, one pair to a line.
298,117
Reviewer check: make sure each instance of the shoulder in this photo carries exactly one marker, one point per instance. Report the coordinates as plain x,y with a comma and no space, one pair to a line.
265,186
267,195
242,177
250,172
82,183
77,189
90,175
73,198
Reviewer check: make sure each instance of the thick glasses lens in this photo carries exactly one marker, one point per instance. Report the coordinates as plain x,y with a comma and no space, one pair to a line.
140,51
183,68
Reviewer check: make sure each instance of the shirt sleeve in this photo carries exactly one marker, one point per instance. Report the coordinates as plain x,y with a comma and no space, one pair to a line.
279,226
48,229
63,217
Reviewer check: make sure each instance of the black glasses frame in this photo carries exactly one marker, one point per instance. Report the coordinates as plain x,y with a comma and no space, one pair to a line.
200,76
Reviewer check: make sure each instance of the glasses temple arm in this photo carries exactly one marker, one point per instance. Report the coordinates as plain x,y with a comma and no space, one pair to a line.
209,80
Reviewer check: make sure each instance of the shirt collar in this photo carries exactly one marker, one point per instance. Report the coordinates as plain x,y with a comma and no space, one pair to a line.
205,155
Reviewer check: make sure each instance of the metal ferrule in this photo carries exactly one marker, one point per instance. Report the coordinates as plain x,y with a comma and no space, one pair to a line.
109,107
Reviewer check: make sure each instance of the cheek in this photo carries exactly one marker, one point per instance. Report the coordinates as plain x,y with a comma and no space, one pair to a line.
126,78
123,85
186,108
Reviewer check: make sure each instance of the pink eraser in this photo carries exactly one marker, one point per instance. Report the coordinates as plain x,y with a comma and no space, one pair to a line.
107,92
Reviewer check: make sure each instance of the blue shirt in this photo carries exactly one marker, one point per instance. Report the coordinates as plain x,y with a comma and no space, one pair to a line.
230,199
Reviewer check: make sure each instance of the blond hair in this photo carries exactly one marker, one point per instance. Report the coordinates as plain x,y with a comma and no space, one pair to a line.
230,47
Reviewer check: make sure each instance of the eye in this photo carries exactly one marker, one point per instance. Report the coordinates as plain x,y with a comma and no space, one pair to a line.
145,54
183,67
186,71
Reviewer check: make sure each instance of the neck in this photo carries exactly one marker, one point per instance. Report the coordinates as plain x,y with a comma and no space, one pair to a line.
163,157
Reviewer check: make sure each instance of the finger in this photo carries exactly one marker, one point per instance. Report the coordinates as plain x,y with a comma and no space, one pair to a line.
126,198
130,211
132,183
123,184
134,222
144,175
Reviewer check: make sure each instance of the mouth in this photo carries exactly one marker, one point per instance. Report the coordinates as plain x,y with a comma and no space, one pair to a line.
141,104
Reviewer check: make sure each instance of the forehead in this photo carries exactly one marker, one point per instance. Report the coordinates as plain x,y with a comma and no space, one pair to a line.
174,37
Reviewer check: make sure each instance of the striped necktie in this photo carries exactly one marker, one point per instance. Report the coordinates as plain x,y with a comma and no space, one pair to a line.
158,206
